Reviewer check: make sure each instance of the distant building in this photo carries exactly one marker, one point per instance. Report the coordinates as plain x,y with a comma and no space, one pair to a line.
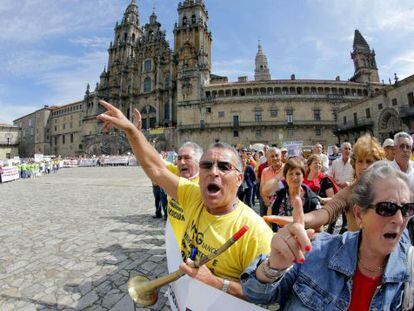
9,141
387,112
34,132
180,98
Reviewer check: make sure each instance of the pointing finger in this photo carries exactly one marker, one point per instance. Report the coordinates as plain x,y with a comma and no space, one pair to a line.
297,213
107,105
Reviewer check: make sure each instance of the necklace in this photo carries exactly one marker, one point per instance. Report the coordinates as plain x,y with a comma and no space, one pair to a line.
373,270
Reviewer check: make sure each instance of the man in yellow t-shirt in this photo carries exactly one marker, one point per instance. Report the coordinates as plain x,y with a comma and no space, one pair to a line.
207,232
212,210
187,167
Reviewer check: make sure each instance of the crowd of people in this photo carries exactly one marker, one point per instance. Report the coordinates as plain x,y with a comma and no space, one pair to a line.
287,260
31,169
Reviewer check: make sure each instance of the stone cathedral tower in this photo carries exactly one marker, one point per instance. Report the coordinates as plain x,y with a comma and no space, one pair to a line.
261,73
192,49
366,70
140,74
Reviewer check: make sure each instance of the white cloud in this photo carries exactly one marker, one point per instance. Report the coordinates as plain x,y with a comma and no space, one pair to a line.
13,111
371,16
405,64
64,77
92,42
35,62
233,68
33,20
69,84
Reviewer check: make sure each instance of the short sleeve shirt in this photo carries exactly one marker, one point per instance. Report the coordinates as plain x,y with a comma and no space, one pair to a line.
207,232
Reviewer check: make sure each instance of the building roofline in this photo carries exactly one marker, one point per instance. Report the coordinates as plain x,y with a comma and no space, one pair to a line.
387,88
8,125
290,81
55,107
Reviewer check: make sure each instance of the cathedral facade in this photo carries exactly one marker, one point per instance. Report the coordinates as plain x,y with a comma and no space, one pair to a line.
180,98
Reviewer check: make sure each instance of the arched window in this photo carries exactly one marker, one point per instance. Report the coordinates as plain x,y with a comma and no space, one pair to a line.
133,38
193,19
184,20
125,37
147,84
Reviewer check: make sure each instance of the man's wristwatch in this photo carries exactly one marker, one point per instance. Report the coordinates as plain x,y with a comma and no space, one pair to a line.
271,273
226,284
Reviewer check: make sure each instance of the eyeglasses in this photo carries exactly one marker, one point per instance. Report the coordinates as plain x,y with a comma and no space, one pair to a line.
388,209
223,166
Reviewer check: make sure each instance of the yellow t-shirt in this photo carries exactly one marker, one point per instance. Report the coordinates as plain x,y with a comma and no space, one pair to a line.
174,210
208,232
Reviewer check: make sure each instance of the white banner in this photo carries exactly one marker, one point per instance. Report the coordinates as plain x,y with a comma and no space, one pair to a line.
116,160
70,163
189,294
38,157
87,162
9,173
294,148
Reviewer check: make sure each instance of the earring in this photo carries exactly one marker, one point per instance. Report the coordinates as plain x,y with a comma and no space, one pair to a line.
361,226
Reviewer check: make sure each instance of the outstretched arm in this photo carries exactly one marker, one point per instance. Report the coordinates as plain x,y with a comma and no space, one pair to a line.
146,155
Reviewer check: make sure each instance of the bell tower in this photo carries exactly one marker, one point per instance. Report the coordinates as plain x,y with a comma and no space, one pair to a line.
261,73
121,52
366,70
192,49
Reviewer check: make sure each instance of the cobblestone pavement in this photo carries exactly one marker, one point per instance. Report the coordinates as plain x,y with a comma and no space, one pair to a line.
71,240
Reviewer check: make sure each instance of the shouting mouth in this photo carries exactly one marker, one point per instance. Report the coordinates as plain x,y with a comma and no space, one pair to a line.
391,236
213,188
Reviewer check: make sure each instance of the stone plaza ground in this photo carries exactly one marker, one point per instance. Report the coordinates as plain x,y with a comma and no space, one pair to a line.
71,240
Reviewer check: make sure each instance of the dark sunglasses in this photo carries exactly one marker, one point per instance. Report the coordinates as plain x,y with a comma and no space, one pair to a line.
388,209
223,166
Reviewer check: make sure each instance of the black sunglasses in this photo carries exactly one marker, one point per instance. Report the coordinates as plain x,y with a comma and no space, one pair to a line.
388,209
223,166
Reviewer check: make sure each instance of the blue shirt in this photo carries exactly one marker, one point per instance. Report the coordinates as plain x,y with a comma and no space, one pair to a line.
324,281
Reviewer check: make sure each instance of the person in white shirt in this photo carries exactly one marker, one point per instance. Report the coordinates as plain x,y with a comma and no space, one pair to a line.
317,149
341,170
403,144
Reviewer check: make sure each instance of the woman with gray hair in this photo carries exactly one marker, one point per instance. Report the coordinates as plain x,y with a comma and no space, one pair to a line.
362,270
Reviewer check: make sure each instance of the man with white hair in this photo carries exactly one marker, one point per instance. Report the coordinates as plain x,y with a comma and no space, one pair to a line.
212,211
343,173
403,144
187,166
341,170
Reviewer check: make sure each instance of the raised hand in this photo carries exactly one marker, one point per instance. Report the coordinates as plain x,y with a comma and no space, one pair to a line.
291,242
137,119
113,117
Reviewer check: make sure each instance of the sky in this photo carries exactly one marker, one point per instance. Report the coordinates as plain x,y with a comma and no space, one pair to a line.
50,50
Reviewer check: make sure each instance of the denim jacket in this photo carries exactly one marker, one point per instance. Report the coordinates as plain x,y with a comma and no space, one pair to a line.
324,281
